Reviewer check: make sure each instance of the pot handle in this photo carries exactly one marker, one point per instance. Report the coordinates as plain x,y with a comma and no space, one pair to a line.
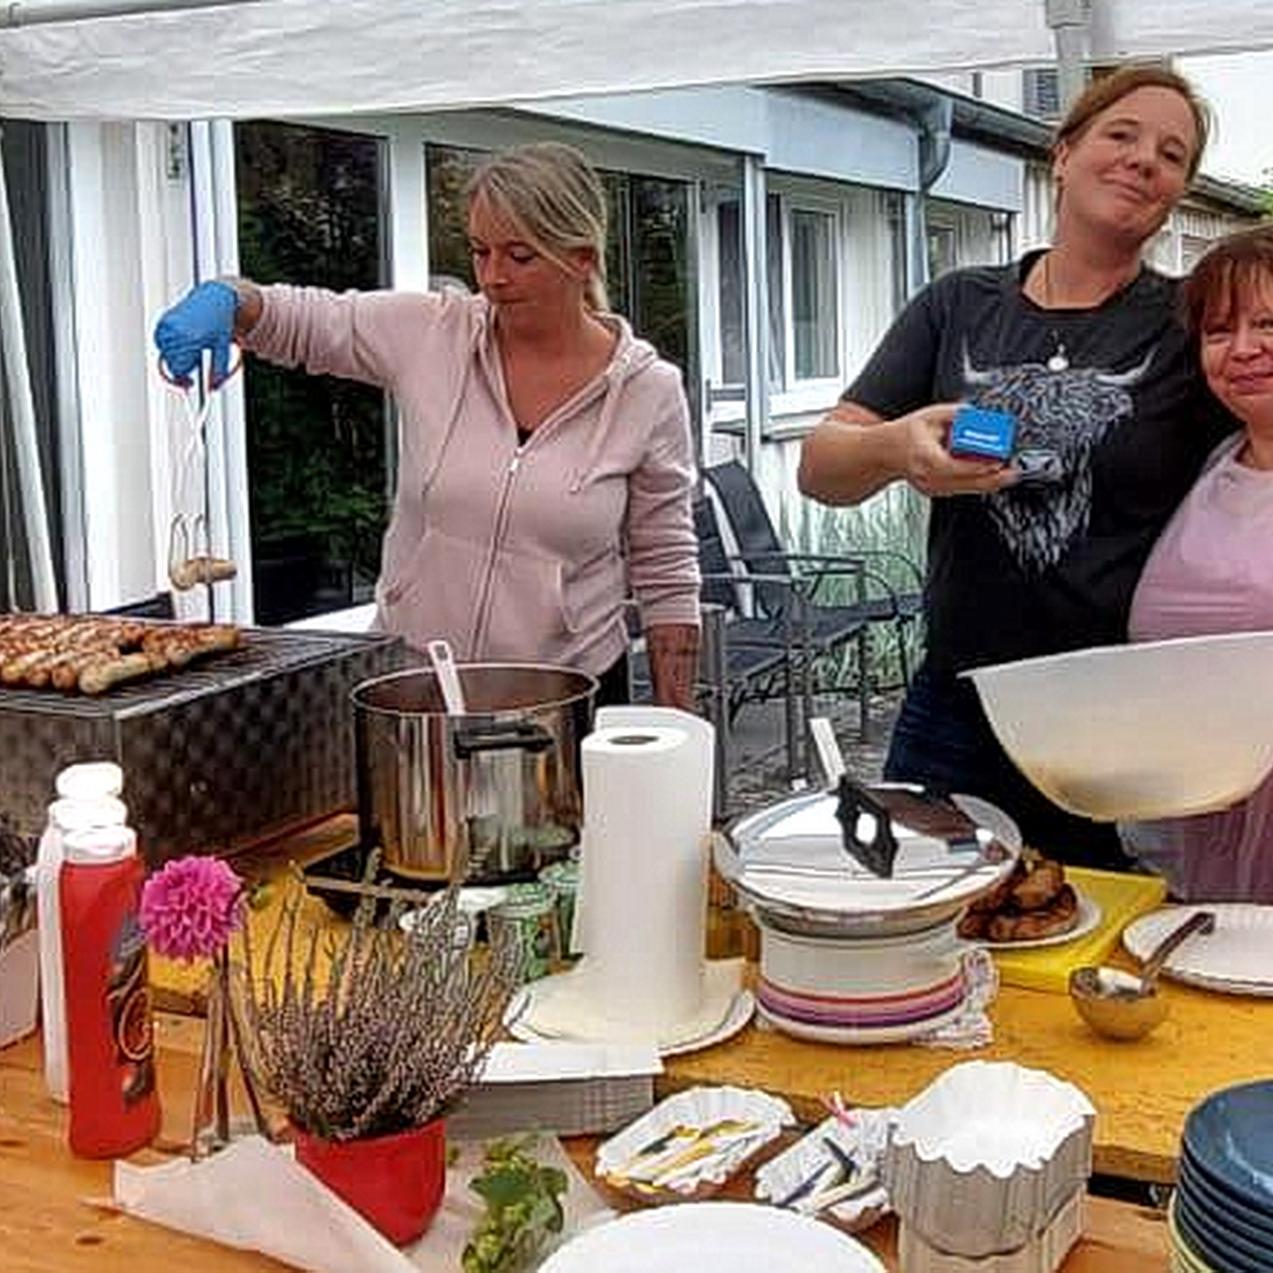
521,735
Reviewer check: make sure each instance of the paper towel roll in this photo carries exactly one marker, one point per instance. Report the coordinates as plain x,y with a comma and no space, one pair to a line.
643,890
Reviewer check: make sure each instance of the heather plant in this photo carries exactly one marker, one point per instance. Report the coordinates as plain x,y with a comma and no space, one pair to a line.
366,1030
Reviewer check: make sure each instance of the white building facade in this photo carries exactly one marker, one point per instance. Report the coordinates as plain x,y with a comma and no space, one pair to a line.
763,237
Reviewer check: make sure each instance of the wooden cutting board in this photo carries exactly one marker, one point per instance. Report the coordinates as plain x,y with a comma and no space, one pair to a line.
1122,898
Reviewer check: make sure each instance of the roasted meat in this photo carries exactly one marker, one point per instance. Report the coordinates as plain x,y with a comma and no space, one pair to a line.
90,653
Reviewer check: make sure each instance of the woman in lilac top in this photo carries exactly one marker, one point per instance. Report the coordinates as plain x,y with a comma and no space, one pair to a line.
1212,570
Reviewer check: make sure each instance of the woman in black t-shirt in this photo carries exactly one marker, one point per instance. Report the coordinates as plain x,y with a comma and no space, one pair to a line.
1081,344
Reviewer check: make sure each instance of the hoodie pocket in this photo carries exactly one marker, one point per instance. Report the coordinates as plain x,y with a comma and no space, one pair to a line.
434,592
591,593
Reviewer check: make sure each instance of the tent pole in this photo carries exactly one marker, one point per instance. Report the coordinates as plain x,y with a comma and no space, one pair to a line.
1070,22
22,411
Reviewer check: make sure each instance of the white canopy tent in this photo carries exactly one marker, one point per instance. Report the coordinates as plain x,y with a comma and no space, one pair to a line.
200,59
177,59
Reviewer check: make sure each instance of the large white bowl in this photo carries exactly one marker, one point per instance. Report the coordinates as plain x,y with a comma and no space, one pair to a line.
1160,729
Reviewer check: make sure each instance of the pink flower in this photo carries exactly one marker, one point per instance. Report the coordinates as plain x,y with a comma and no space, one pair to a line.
190,907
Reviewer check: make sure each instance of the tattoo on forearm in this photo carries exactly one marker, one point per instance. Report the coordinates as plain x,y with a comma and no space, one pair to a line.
673,651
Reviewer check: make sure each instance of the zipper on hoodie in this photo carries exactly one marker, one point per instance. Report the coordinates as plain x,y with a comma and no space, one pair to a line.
609,382
483,615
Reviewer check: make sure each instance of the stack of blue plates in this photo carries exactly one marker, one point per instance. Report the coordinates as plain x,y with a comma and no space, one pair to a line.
1222,1215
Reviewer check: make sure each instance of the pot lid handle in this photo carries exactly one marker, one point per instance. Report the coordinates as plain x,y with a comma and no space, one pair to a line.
866,828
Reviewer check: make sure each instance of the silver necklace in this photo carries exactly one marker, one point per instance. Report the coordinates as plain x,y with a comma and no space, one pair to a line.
1059,360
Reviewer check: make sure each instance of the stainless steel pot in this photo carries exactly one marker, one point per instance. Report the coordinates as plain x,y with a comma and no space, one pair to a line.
491,794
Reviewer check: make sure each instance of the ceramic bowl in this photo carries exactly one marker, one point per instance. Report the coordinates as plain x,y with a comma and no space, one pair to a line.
984,1158
860,968
1112,733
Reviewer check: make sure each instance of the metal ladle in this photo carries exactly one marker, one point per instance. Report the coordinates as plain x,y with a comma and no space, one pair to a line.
1122,1005
448,677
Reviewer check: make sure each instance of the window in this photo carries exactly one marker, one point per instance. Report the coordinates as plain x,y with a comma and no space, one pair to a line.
733,350
814,304
1041,93
802,267
318,453
647,254
942,250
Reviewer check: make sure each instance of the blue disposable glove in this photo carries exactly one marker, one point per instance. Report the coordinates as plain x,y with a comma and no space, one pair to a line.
203,319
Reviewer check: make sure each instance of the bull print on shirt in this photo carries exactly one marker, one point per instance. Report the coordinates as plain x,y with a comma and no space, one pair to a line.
1062,415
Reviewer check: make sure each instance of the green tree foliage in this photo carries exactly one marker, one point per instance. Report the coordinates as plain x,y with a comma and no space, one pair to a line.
309,213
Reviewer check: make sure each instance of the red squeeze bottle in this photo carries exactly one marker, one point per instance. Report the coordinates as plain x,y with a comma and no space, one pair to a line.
110,1048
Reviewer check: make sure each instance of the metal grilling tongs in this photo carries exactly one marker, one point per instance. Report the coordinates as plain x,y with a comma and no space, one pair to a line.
190,557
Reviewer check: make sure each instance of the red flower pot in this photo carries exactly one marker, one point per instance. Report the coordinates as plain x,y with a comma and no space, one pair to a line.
395,1182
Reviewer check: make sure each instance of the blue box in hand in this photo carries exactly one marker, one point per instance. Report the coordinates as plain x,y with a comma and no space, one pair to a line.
982,434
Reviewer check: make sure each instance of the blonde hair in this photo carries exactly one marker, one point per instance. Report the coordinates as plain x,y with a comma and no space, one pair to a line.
1104,91
555,198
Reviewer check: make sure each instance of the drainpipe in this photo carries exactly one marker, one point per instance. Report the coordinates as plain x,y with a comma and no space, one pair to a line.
1070,23
933,118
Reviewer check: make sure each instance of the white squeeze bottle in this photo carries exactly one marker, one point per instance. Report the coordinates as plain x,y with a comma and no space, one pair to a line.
88,797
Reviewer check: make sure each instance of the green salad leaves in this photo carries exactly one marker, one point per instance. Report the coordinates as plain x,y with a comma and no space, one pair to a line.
523,1208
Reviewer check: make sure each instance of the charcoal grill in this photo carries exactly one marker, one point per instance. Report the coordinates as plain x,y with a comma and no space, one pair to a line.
217,755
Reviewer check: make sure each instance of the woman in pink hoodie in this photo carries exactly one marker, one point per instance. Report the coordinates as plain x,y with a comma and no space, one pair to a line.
546,461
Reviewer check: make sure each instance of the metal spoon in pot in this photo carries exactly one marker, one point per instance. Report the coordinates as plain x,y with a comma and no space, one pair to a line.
1121,1005
448,678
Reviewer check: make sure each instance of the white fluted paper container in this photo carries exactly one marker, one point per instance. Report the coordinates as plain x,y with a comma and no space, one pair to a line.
984,1158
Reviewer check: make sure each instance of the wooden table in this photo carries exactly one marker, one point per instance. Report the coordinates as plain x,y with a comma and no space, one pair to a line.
49,1225
1142,1091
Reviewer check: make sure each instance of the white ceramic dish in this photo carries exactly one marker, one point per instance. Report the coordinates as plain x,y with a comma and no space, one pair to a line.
747,1118
857,1036
792,871
1113,732
1089,920
1235,959
742,1237
986,1155
781,1177
741,1008
860,967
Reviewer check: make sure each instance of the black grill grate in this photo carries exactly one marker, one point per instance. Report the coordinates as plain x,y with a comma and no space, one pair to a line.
264,652
216,755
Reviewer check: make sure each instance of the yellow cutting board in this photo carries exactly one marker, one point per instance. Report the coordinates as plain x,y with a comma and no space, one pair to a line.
1121,898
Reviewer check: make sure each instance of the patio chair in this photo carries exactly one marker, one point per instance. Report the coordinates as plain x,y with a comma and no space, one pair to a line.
832,626
745,659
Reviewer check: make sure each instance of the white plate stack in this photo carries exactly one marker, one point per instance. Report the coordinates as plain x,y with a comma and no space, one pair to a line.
1221,1217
